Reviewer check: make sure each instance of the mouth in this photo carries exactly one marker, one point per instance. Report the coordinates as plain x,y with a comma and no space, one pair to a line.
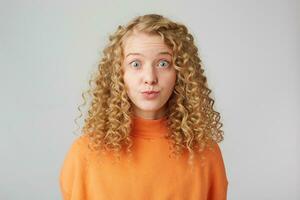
150,94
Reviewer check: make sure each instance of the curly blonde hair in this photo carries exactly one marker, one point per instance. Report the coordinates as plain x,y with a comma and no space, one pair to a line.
193,122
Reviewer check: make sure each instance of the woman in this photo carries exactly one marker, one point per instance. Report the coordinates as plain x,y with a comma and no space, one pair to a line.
151,130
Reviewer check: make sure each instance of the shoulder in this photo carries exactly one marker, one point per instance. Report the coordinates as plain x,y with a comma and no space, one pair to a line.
216,157
218,181
81,142
216,161
212,158
78,148
74,163
214,152
76,157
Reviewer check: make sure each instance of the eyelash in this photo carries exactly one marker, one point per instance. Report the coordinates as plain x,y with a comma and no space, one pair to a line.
168,63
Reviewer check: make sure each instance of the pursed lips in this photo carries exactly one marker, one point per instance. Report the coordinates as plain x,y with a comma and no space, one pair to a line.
150,92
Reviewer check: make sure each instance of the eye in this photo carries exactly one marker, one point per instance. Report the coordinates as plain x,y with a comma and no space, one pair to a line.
164,63
135,64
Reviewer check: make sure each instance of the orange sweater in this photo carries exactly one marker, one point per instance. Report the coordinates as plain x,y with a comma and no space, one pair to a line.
151,175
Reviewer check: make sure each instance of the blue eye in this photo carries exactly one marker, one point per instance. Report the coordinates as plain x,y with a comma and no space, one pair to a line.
164,62
136,63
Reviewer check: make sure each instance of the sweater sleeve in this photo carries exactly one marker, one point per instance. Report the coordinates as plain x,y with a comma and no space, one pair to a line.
218,182
72,172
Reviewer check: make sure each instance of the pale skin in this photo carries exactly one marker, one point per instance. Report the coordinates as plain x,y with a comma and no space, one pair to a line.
148,65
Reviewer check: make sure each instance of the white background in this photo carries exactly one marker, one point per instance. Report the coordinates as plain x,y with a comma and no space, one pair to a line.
250,51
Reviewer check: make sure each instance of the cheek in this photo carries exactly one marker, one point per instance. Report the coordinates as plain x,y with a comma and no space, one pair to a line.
171,80
129,82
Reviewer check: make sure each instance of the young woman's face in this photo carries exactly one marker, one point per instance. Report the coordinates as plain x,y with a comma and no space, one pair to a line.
148,66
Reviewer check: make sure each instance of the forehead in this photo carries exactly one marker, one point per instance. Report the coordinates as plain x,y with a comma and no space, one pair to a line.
139,41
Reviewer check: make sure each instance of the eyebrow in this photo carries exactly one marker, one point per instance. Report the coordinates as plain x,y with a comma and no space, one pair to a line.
161,53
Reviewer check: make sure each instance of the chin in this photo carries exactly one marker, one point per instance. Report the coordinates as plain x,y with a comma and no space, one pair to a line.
149,106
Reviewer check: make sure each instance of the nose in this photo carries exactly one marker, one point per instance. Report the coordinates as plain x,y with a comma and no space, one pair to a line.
150,75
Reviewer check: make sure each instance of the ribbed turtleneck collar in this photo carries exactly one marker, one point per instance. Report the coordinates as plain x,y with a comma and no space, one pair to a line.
149,128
